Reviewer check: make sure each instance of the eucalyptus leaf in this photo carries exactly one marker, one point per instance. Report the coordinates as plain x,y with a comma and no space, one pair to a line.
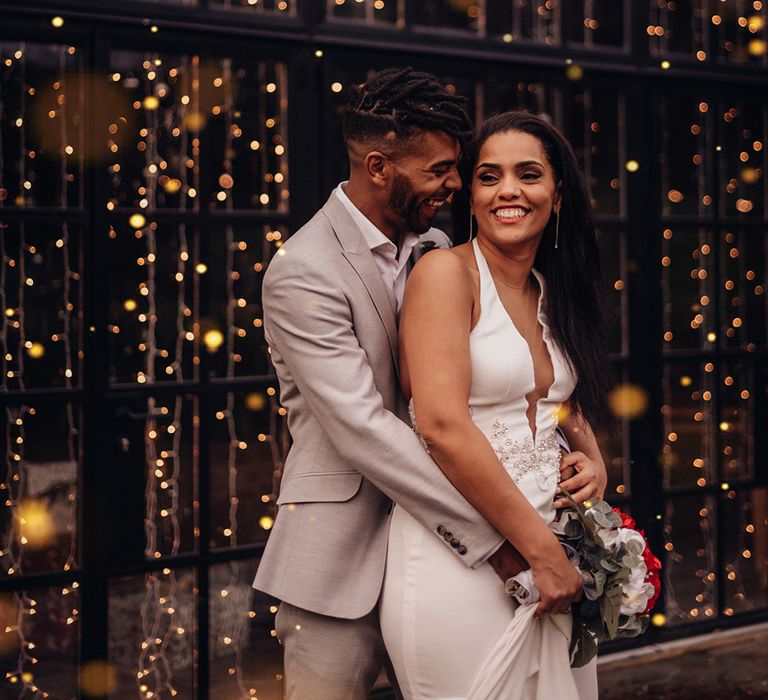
586,649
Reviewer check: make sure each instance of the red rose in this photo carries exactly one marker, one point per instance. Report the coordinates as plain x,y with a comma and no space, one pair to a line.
653,565
626,520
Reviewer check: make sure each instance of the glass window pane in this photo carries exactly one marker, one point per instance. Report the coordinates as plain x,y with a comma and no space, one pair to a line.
689,574
181,304
39,643
152,634
38,528
688,288
449,14
248,444
594,122
373,12
246,659
709,29
41,305
232,323
612,244
179,109
155,445
745,520
41,135
737,457
686,166
257,7
529,20
154,282
689,456
597,22
515,90
742,136
614,443
743,310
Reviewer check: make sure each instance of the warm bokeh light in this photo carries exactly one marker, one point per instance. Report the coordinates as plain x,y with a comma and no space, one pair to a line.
255,401
194,121
151,103
36,350
628,401
98,678
36,525
757,47
574,72
213,339
137,221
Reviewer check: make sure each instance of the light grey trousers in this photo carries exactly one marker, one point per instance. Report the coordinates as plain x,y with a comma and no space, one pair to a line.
329,658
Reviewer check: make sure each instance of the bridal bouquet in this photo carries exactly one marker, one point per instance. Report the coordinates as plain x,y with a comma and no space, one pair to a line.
620,573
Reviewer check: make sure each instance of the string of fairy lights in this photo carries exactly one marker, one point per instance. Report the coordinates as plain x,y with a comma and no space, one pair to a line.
729,29
701,446
174,99
190,84
30,526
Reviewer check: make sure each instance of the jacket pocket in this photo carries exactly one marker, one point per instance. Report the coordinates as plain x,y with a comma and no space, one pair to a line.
320,488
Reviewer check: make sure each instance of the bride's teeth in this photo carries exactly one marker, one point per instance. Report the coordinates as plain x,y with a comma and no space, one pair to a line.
510,213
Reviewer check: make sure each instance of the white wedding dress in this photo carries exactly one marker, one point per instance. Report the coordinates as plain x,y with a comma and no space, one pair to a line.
453,632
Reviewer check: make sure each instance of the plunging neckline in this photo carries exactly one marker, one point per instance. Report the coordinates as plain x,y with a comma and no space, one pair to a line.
484,270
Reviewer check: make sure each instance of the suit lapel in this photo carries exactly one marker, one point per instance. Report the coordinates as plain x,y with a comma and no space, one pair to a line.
361,259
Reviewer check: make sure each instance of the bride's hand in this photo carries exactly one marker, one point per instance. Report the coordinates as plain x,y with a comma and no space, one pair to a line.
559,583
587,482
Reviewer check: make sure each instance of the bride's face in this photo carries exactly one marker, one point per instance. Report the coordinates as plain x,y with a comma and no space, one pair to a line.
514,191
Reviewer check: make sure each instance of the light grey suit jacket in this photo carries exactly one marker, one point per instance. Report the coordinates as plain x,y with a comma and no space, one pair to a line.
330,322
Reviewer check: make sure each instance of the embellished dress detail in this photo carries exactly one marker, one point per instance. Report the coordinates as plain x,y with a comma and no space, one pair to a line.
452,632
521,457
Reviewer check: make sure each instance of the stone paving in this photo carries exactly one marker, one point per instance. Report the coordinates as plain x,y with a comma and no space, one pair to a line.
724,666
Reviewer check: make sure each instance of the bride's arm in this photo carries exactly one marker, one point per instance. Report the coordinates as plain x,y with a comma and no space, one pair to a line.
434,333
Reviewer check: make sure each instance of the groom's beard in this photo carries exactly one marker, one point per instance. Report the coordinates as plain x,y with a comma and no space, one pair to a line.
412,215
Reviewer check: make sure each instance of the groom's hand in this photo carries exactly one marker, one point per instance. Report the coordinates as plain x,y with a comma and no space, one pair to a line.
507,561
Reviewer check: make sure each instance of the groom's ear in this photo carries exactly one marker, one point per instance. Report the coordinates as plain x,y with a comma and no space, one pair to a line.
376,165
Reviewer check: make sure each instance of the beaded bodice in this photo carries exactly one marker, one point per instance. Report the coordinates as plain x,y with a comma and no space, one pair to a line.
522,457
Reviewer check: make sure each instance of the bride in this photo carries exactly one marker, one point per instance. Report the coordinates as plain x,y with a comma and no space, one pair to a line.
499,338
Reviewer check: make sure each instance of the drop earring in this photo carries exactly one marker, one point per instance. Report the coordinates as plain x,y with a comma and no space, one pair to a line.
557,228
470,226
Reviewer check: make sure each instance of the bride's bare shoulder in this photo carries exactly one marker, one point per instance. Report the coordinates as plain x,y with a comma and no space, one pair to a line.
455,266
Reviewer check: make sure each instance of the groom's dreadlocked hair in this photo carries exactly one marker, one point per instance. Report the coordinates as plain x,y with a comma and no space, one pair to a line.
402,103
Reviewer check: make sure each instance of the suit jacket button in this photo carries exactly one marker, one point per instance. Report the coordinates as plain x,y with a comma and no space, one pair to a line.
440,530
447,536
455,543
461,550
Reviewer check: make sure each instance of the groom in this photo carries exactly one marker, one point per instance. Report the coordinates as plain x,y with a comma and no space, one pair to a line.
331,298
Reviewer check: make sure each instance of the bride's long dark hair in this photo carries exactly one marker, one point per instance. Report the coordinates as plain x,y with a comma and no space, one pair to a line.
572,271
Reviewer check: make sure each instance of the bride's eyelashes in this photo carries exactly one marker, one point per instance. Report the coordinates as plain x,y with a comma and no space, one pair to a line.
490,178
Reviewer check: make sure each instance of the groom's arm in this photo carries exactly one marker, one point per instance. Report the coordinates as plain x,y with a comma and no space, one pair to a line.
308,322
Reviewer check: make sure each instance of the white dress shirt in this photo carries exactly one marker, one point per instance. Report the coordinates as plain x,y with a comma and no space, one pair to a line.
393,267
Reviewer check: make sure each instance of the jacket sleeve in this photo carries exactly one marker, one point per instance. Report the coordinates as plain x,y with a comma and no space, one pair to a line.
308,320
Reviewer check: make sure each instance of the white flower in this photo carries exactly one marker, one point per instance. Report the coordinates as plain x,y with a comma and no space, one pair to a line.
632,540
636,592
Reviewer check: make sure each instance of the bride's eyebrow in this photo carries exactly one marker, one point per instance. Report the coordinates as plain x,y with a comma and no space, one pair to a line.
522,164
